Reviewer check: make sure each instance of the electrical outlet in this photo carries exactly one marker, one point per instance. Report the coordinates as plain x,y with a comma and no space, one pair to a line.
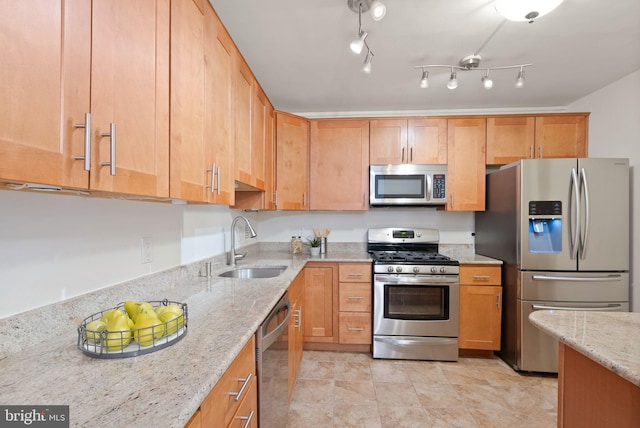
145,250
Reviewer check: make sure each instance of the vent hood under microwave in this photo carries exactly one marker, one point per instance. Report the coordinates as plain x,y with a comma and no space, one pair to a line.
408,185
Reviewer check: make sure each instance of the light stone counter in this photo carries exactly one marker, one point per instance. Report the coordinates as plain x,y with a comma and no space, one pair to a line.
465,255
611,339
41,365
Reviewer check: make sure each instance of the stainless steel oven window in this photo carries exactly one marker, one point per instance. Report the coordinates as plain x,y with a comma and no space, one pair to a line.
416,302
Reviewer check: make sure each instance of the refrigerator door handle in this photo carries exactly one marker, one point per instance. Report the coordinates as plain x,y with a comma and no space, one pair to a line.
608,308
583,238
609,278
574,227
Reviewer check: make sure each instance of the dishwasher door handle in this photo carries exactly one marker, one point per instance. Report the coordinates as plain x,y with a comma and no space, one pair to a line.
269,337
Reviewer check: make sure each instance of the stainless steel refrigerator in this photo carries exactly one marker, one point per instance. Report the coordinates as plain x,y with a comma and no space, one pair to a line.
561,227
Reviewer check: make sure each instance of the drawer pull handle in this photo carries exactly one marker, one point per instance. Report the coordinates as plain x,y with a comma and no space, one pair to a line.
355,298
355,274
481,277
355,329
238,394
247,419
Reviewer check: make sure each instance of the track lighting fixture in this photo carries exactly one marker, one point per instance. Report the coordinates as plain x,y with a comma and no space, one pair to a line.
525,10
471,63
378,10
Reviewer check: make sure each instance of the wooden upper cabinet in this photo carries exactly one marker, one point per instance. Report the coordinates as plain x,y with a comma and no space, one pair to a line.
414,140
561,136
510,139
130,89
339,164
292,157
260,108
466,164
220,63
270,160
244,97
388,141
42,41
189,163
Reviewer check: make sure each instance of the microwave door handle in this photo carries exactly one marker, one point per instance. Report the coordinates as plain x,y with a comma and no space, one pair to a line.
429,189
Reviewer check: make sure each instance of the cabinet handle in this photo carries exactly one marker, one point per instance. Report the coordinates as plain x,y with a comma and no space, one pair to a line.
87,141
499,303
238,394
540,151
298,315
355,298
112,143
218,176
213,173
275,199
411,154
355,274
481,277
304,199
531,151
402,156
247,419
355,329
451,200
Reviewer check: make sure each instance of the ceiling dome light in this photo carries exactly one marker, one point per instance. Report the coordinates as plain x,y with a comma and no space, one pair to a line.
378,10
358,43
424,82
525,10
520,80
366,66
453,80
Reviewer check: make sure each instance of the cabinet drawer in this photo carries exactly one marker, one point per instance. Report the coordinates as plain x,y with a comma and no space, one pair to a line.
248,409
355,327
355,272
224,399
480,275
355,296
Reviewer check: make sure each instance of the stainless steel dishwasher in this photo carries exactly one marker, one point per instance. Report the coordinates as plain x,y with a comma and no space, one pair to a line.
272,355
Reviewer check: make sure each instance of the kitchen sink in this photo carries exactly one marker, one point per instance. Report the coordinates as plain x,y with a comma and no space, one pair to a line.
254,272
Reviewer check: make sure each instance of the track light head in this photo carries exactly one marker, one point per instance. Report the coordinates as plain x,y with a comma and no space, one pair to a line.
520,79
487,83
378,10
366,65
424,81
358,43
453,80
375,7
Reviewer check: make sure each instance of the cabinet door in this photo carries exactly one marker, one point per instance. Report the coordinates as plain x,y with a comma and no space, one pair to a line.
260,115
509,139
427,141
292,158
388,141
339,165
219,123
244,87
270,160
318,317
189,163
480,317
41,42
130,88
466,159
296,333
561,136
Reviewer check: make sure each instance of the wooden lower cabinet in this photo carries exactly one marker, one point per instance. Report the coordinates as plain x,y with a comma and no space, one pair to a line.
295,331
320,320
480,307
235,394
195,421
355,303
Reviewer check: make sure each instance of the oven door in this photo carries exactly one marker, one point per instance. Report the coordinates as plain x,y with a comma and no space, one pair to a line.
416,305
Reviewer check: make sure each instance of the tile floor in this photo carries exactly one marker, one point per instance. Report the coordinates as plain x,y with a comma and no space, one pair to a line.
336,389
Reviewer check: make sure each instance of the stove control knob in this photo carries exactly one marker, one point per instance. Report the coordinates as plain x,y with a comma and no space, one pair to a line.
416,269
390,269
443,269
399,269
434,269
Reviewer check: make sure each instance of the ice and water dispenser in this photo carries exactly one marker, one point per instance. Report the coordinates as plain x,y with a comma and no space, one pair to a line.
545,226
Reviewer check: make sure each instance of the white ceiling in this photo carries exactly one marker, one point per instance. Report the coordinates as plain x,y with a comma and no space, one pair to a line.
299,52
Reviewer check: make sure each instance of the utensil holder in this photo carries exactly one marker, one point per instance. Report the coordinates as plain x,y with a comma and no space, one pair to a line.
323,245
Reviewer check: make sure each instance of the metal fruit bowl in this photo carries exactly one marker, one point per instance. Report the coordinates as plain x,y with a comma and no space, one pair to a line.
96,344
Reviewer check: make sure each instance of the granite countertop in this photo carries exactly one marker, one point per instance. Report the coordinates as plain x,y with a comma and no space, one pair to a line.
466,255
163,388
611,339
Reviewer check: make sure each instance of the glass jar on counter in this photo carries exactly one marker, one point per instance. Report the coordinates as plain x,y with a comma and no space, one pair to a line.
296,245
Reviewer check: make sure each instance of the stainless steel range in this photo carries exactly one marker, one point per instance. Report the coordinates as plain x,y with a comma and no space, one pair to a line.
415,295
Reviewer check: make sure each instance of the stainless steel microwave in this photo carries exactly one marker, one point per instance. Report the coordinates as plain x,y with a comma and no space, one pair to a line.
407,184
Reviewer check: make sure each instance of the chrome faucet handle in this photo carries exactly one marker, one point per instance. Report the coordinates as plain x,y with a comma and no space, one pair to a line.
240,256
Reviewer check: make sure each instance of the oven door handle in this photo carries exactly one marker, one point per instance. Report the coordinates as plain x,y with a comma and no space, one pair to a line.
430,341
417,279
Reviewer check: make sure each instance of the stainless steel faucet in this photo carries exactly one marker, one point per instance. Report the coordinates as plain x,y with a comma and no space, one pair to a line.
233,256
